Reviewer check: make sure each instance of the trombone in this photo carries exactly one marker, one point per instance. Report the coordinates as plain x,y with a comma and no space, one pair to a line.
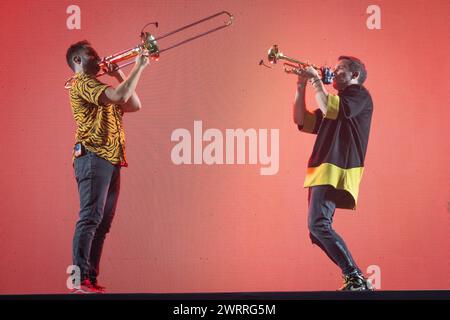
149,42
274,55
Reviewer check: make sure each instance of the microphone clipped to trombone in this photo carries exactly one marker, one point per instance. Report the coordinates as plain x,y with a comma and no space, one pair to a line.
149,43
274,55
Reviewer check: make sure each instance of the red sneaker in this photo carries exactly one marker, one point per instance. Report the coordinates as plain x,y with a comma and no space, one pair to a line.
86,287
98,288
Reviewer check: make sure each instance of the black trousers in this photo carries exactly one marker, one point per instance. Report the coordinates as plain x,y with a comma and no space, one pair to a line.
98,187
322,205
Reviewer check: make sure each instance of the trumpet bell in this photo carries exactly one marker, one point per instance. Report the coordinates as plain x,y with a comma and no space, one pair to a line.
273,54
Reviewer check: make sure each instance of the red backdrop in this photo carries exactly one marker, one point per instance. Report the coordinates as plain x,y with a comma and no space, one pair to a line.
203,228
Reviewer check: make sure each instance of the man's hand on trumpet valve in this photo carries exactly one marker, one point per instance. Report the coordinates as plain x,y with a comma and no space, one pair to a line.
304,73
312,73
307,73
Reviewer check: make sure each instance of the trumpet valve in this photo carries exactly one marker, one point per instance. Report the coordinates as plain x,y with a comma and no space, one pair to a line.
291,68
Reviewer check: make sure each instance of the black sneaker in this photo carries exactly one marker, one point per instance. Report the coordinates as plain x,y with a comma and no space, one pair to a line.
356,282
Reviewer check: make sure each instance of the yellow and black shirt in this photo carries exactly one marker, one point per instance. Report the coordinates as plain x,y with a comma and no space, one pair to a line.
99,127
341,144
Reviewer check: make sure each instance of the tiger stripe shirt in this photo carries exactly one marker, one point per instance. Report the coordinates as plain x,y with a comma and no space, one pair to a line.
99,127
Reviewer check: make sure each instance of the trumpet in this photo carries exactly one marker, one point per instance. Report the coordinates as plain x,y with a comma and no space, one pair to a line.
274,55
149,43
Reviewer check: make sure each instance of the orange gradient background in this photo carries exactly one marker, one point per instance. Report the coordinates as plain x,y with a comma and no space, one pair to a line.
223,228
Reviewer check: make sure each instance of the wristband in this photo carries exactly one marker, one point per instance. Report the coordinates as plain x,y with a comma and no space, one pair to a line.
318,79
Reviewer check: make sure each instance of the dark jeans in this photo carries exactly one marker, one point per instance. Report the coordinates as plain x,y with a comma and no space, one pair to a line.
98,186
322,204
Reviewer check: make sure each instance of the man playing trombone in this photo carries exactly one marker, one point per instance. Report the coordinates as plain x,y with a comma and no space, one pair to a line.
342,125
99,151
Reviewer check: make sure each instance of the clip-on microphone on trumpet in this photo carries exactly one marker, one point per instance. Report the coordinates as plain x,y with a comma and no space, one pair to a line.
261,63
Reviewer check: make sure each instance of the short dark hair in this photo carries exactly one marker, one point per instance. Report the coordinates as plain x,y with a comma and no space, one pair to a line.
356,65
75,49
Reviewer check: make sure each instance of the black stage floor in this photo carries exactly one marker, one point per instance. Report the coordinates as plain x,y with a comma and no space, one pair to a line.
312,295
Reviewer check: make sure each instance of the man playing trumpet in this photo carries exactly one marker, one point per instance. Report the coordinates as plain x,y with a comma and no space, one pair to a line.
335,168
99,151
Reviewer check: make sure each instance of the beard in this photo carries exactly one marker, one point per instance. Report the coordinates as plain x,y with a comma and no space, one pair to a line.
336,84
93,67
339,82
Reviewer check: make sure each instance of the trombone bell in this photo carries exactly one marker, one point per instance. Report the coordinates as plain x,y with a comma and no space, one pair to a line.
148,42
